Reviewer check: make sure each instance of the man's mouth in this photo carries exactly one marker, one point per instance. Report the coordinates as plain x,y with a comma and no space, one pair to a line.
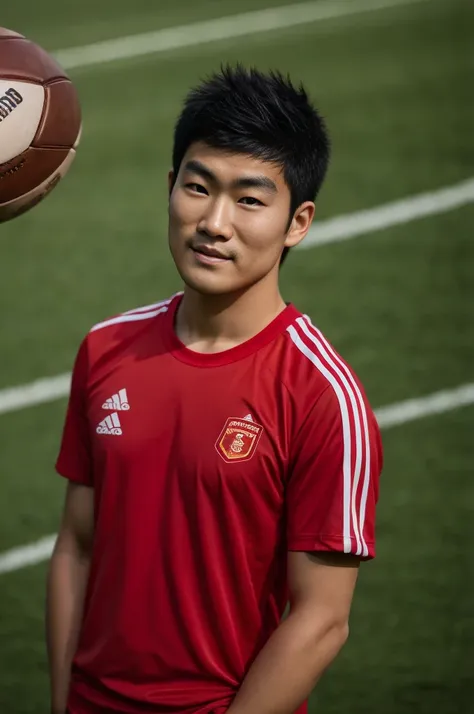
207,254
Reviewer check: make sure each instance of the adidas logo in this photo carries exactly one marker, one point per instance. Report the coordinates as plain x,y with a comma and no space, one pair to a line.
248,417
110,425
117,402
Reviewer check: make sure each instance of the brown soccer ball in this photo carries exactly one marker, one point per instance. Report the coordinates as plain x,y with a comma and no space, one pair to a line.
40,124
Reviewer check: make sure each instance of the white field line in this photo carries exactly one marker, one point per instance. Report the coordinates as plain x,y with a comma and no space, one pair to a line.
248,23
24,555
38,392
421,407
388,416
332,230
390,214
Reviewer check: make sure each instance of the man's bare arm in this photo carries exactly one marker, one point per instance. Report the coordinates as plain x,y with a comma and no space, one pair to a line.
66,586
287,668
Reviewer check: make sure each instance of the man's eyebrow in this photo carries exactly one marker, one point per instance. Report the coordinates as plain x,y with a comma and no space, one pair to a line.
194,166
259,181
256,182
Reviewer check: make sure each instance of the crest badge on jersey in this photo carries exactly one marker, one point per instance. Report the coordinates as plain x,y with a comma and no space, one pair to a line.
238,439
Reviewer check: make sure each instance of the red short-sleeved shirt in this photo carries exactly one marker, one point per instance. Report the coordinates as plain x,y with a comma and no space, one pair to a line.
206,469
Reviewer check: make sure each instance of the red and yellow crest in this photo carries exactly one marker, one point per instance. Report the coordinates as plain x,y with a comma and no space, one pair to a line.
238,439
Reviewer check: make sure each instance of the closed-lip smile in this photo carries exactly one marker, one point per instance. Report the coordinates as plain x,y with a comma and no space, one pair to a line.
211,252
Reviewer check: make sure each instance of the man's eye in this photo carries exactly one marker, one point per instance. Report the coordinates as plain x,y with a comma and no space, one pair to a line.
196,187
250,201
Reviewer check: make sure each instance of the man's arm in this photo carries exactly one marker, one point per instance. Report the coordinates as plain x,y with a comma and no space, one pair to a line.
287,668
66,586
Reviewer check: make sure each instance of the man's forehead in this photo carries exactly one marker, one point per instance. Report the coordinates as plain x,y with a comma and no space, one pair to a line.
230,165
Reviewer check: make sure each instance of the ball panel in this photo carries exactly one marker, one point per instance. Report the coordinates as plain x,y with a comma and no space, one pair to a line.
20,205
27,171
8,33
61,120
21,107
23,60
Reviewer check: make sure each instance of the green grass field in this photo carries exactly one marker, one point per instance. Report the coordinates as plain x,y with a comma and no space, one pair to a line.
396,89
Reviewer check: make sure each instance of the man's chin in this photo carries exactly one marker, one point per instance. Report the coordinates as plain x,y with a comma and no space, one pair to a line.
208,284
219,279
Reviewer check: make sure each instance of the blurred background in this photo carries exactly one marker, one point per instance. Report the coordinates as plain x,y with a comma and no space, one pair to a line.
394,80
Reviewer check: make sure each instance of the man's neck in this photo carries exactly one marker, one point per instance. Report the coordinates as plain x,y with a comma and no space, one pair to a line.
214,323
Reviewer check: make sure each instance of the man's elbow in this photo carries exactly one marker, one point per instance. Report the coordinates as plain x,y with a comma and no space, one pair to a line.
335,633
328,629
325,638
72,544
342,633
331,634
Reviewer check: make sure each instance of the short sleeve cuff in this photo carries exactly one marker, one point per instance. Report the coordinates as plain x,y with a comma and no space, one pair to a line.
72,475
328,543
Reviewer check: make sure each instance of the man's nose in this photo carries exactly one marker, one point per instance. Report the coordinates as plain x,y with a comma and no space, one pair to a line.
217,219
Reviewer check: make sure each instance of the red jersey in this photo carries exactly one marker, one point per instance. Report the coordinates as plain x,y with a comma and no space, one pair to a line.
206,470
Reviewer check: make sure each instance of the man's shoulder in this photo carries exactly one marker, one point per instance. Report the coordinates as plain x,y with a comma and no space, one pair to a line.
313,365
131,319
126,329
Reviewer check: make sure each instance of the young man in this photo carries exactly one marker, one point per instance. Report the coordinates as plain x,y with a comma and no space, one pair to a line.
222,458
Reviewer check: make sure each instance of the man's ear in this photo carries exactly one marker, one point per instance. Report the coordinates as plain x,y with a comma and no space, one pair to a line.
300,224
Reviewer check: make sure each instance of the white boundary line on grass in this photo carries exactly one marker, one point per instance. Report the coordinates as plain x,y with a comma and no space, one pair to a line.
390,214
389,416
334,229
241,25
38,392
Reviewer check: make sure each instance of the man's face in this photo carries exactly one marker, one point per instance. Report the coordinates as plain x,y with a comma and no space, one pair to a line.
228,220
